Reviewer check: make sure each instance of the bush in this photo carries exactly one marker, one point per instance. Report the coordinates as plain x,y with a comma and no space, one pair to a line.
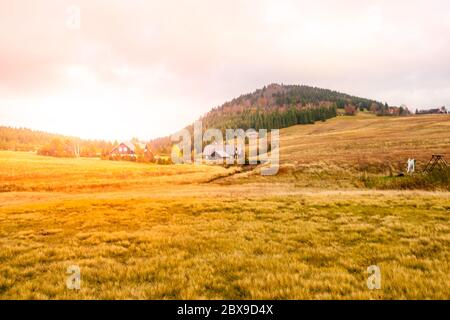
436,180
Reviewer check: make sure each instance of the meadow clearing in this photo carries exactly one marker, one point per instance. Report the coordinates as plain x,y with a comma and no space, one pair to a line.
140,231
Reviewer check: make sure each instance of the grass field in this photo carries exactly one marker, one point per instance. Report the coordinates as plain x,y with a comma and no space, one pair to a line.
163,232
337,153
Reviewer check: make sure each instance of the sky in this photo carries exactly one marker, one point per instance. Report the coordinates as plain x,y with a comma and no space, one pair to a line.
116,69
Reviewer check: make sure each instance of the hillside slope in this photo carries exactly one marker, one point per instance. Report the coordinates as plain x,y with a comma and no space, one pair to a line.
337,152
367,141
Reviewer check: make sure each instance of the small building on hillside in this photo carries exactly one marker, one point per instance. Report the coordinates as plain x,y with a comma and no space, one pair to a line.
219,154
441,110
393,111
217,151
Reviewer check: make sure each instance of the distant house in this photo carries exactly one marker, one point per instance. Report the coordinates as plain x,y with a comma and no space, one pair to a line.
219,154
128,149
393,111
218,151
441,110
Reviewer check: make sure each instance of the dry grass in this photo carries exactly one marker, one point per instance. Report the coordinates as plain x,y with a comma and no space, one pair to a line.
163,232
367,142
25,172
341,152
274,247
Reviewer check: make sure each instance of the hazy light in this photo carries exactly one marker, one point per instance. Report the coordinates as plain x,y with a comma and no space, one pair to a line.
149,68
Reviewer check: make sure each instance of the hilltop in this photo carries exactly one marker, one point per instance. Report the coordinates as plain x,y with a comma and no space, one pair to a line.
279,106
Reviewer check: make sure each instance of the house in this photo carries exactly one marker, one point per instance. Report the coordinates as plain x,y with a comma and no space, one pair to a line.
219,154
393,111
218,151
441,110
128,149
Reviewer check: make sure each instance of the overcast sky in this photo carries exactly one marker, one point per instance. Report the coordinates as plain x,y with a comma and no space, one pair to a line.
147,68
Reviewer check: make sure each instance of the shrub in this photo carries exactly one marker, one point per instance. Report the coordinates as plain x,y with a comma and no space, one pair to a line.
436,180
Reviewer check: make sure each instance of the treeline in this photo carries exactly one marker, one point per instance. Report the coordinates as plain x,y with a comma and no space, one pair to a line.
270,120
161,145
279,106
304,95
21,139
71,148
386,110
276,96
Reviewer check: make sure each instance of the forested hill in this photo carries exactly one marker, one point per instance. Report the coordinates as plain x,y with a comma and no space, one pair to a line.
278,106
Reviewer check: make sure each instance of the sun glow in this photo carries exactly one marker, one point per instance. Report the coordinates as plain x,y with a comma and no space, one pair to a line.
148,69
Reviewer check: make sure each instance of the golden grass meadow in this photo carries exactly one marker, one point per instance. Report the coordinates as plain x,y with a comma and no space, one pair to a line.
146,231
